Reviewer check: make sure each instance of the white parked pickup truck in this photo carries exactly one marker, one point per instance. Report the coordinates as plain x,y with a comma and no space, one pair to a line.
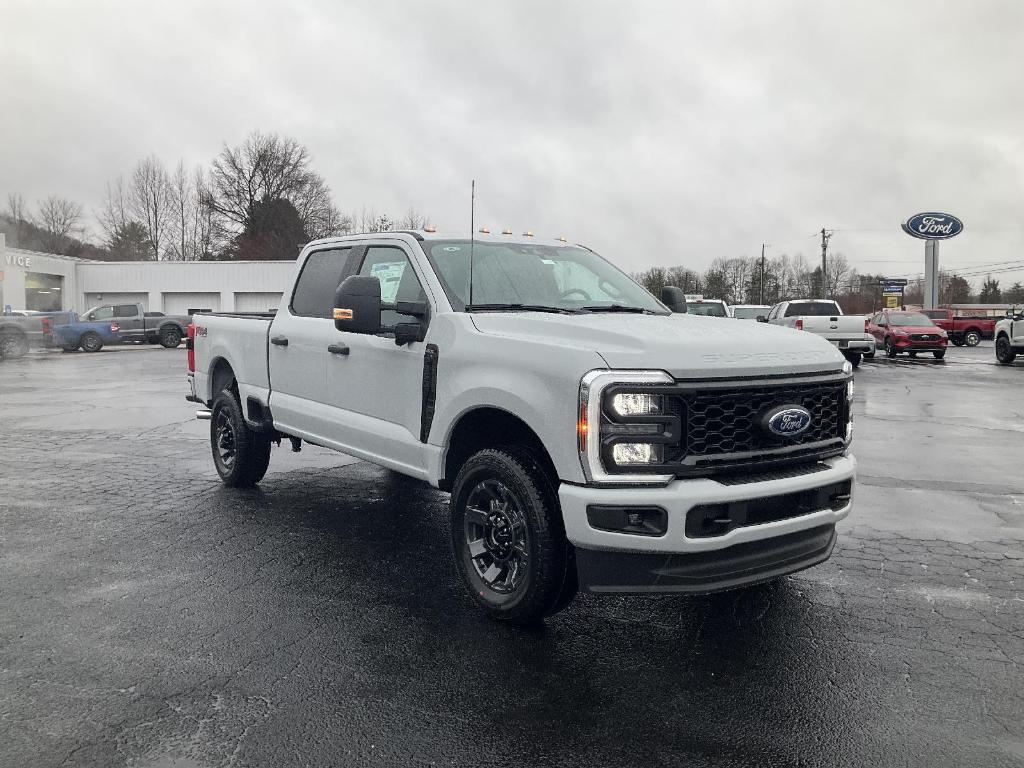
589,437
825,318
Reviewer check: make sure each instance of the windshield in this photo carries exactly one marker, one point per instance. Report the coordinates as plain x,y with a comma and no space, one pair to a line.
749,313
709,308
812,309
537,276
908,318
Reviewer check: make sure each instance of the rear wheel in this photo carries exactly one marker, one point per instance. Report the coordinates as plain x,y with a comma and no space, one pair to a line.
170,337
91,342
508,539
939,354
853,357
972,338
13,345
1004,351
240,454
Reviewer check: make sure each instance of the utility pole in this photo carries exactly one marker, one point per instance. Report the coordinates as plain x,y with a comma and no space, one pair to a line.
761,296
825,237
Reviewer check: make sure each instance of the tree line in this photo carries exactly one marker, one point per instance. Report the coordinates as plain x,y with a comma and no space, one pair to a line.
258,200
749,280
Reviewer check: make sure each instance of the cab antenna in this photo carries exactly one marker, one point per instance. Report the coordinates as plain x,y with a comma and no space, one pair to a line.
472,231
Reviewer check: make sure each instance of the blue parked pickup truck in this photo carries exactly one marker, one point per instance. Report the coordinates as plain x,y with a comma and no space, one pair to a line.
90,336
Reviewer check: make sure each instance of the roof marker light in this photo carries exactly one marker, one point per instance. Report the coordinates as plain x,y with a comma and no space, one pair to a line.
484,231
562,240
430,228
506,231
527,233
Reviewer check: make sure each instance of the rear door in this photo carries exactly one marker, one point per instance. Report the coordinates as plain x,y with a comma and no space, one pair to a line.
129,317
299,336
376,390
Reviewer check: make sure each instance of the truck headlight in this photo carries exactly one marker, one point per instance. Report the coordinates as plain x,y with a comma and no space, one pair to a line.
637,404
633,454
622,427
849,391
847,367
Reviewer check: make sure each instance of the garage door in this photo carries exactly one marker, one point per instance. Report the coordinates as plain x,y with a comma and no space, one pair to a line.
257,302
95,299
190,303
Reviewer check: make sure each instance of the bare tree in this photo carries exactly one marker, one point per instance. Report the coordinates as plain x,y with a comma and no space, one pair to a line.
205,224
186,218
262,170
58,217
113,217
149,199
413,219
19,218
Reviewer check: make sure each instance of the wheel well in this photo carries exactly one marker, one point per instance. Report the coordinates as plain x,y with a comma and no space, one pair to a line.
222,376
12,330
166,326
973,328
491,428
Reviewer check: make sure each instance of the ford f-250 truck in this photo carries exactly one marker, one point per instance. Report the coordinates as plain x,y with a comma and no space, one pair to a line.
589,437
1010,336
962,329
825,318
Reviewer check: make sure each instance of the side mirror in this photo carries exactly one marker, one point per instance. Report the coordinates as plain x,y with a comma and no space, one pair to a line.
90,317
673,298
357,305
762,318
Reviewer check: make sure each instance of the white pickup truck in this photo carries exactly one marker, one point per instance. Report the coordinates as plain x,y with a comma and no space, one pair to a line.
589,437
1009,336
825,318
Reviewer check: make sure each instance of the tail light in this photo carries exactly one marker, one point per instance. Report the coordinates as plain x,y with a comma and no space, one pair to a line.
47,329
190,345
866,322
115,328
799,323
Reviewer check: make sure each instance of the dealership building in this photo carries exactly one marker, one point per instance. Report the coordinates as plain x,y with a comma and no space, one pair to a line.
45,282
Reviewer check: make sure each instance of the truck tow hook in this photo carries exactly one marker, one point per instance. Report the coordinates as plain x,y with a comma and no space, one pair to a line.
204,414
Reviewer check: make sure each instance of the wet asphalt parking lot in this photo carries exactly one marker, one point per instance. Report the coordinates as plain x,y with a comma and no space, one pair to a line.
151,617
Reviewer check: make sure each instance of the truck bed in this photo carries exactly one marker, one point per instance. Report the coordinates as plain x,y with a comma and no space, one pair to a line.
240,337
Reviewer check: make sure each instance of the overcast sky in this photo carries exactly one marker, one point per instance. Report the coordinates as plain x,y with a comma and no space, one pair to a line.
659,133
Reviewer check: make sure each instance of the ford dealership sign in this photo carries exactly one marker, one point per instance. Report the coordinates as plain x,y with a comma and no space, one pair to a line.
933,226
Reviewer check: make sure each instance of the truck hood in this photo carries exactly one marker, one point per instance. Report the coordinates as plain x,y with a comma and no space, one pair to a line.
687,346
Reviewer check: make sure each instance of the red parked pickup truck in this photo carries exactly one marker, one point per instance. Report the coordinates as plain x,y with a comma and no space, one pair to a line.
962,330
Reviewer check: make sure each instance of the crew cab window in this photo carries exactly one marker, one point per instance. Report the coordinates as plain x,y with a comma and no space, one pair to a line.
398,281
813,309
934,314
314,290
101,313
126,310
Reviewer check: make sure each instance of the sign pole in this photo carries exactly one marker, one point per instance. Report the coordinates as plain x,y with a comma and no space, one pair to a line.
931,274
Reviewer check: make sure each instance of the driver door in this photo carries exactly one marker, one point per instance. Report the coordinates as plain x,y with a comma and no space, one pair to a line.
375,389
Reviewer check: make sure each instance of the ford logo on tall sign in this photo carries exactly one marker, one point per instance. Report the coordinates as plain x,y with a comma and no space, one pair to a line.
933,226
786,421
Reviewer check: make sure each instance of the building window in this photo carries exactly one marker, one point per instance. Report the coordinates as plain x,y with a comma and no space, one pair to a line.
43,292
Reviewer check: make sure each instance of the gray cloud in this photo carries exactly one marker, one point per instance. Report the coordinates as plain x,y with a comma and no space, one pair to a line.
660,133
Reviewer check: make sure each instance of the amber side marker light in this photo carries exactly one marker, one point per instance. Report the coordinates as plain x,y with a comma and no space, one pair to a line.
582,428
342,314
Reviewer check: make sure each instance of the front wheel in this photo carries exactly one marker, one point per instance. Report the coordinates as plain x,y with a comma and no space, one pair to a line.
853,357
170,338
508,539
890,350
91,342
240,454
939,354
1004,351
972,338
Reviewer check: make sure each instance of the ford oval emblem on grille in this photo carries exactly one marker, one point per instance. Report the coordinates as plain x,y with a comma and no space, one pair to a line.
786,421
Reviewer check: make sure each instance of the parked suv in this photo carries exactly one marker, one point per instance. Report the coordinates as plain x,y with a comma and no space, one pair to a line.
589,437
910,332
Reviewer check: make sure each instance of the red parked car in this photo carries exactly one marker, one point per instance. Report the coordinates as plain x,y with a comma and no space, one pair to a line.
910,332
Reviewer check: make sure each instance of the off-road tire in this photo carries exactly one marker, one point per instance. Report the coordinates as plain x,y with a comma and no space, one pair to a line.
91,342
549,581
170,338
854,358
250,455
1004,351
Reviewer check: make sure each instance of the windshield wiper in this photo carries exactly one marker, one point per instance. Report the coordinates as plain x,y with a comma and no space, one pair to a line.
515,307
617,308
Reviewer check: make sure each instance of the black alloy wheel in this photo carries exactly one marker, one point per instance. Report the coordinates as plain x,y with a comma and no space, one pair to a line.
170,338
91,342
496,536
12,346
240,454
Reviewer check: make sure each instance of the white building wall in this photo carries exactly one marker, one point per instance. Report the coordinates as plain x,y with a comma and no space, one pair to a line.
15,262
160,279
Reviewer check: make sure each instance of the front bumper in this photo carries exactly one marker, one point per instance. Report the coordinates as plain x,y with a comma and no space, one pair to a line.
909,345
611,561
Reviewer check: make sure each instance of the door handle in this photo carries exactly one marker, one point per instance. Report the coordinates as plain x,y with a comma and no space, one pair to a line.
280,341
338,349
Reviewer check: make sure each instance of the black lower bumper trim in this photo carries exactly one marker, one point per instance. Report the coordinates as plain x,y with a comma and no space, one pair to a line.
703,572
